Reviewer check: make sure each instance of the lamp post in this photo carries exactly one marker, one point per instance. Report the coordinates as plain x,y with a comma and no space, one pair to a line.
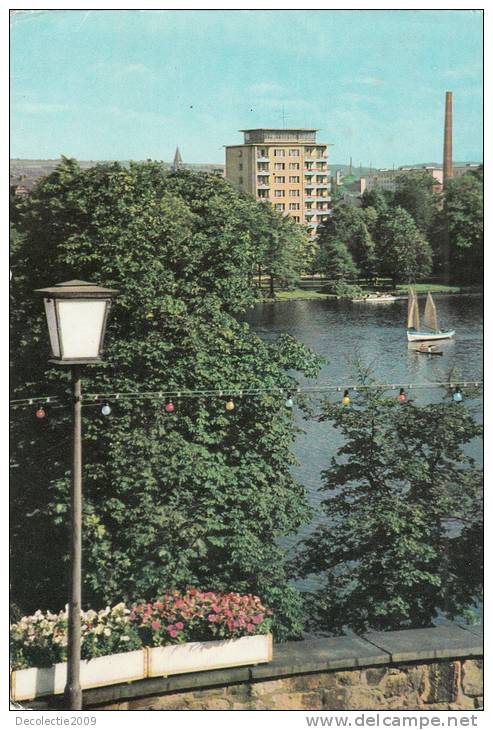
76,313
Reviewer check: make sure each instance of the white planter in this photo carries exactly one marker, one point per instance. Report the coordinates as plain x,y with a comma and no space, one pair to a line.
198,656
113,669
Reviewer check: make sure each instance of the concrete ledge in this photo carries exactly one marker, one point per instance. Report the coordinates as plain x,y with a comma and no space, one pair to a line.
449,642
439,642
342,652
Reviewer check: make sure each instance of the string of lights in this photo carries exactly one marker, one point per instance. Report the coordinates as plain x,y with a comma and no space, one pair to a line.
237,392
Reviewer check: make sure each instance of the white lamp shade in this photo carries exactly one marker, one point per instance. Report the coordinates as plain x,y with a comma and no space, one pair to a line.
81,326
76,314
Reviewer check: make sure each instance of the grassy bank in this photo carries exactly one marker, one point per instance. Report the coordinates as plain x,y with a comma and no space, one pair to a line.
401,290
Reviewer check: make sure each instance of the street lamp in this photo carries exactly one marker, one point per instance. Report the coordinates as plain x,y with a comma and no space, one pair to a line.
76,313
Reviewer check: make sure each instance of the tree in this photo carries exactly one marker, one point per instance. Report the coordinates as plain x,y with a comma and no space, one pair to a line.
346,229
197,497
459,230
402,251
414,193
283,249
386,555
374,199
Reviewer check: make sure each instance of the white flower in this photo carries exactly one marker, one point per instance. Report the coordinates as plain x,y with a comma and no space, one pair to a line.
107,631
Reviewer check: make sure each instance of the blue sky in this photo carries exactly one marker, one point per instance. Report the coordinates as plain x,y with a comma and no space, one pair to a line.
121,84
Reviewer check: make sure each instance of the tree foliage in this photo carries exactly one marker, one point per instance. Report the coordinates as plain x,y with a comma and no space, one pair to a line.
414,193
403,253
283,249
346,247
401,534
197,497
458,228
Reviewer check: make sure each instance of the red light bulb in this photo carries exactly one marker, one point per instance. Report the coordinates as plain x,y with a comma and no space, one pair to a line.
40,413
169,407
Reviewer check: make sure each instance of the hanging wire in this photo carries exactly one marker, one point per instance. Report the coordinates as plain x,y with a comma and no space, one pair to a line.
236,392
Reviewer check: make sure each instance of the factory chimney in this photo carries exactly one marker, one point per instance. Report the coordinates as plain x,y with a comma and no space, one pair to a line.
448,170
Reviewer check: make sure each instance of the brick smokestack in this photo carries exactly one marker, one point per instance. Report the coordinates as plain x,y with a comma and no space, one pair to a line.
448,170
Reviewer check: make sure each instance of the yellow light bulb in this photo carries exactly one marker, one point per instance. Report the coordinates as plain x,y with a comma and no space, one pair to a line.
230,405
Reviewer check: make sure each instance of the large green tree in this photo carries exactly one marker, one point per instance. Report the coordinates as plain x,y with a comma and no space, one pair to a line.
199,496
401,538
284,249
414,193
402,252
458,229
346,230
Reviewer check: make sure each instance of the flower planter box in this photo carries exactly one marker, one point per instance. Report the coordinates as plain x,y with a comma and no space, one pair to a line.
112,669
199,656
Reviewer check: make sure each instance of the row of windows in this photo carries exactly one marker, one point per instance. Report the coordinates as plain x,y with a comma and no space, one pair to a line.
264,166
312,151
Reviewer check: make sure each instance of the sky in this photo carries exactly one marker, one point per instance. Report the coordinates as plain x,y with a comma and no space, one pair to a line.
134,84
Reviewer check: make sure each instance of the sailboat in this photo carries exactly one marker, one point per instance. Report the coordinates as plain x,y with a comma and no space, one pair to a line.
430,331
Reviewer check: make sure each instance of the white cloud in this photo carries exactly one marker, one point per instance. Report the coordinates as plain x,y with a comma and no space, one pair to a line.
35,107
364,80
461,72
121,69
264,88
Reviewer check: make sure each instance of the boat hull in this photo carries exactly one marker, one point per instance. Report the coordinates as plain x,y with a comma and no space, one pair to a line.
413,336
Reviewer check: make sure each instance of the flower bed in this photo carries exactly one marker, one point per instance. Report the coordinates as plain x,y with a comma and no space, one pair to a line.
178,633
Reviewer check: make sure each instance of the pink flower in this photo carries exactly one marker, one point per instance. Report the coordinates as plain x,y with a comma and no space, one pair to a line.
212,617
250,628
179,625
155,625
258,618
173,634
170,627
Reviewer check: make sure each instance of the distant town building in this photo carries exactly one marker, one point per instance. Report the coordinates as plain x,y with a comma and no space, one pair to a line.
385,179
464,169
286,167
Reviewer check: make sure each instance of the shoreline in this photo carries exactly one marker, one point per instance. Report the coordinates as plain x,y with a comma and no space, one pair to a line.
318,296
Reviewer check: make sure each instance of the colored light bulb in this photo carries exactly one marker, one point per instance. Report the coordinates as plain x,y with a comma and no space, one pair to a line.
106,410
402,397
230,406
40,413
289,403
169,407
346,400
457,396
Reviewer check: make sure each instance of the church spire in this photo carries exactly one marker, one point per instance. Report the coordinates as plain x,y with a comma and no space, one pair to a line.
177,162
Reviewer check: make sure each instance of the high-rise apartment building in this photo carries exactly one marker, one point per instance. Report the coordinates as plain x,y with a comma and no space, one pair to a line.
286,167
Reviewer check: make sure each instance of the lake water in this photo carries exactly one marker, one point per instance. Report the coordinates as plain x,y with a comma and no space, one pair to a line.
338,330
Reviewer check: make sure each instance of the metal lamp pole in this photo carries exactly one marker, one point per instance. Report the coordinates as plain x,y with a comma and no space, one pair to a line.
76,313
73,691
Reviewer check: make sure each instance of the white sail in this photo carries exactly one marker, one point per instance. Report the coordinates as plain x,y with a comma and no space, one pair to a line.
412,311
431,320
410,307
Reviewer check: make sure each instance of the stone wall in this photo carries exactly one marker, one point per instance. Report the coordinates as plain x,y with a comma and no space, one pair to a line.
453,685
425,669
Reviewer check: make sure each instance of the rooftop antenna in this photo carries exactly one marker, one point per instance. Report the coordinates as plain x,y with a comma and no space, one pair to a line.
284,115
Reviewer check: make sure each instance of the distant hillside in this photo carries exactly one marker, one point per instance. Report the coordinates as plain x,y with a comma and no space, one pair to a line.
27,172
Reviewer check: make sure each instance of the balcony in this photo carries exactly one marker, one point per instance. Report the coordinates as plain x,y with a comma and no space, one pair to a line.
263,159
309,171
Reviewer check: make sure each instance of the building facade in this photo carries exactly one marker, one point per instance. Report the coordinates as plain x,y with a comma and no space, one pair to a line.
387,179
285,167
